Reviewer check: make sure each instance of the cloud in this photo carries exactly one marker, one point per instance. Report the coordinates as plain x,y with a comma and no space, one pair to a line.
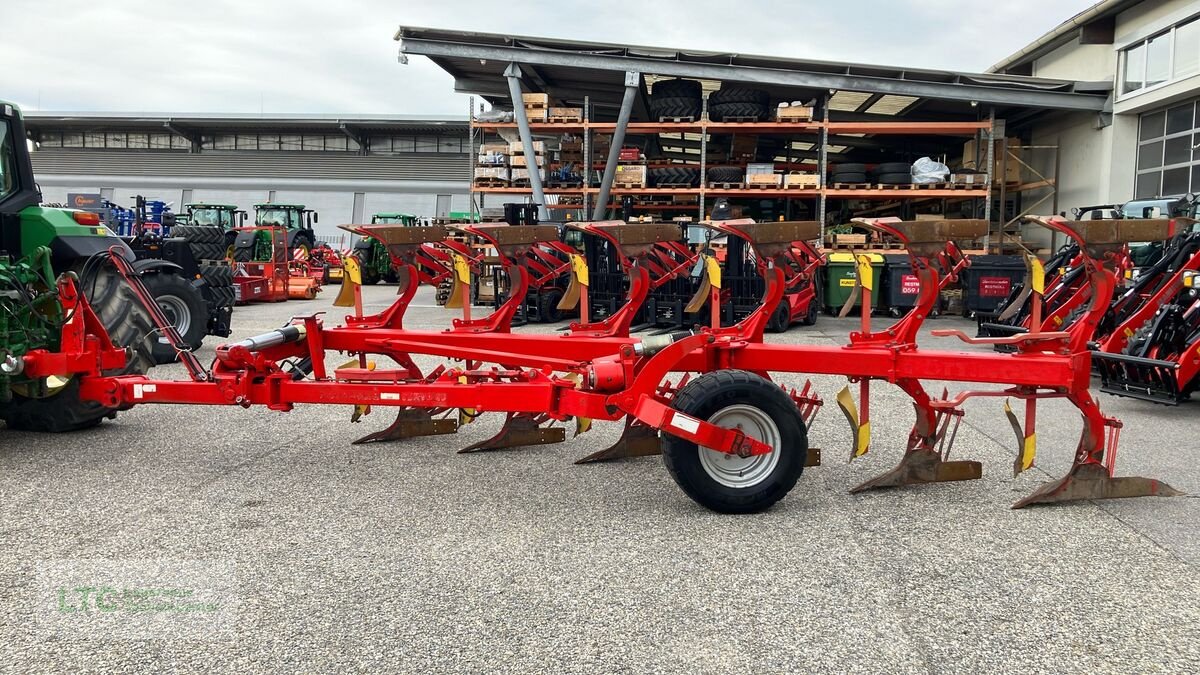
299,56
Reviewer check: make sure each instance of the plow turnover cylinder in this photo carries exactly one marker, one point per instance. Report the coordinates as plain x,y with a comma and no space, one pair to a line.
273,338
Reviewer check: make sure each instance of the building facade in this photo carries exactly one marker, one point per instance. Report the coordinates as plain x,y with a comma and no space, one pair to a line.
345,169
1144,144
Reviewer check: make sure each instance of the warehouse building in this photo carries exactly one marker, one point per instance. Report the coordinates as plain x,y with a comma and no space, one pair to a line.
344,168
1143,144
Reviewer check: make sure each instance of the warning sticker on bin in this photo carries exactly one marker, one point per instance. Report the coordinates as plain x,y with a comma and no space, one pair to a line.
846,282
994,287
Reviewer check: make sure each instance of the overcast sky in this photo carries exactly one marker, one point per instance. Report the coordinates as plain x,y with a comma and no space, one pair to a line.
299,56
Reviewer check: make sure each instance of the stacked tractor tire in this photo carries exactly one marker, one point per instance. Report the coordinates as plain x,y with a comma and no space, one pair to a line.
209,246
673,176
886,173
676,100
739,104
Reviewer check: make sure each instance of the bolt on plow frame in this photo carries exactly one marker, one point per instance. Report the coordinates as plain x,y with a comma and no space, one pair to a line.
732,439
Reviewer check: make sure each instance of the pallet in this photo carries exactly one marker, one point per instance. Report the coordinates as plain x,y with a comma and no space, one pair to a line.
964,186
884,186
851,186
740,118
726,186
564,183
520,182
629,186
801,186
764,186
666,118
563,119
676,186
489,183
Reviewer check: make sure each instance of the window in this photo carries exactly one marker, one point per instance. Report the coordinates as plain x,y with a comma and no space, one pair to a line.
1170,55
1187,49
426,144
8,163
1168,164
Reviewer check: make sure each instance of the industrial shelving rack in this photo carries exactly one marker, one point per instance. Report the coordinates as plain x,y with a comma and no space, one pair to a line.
980,129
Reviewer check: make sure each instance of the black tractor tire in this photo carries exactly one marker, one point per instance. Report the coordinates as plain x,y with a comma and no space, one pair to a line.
302,240
676,106
128,324
208,251
548,311
674,175
770,412
893,167
849,167
245,254
721,112
726,174
734,94
184,306
199,234
780,319
894,179
814,310
849,178
216,274
677,88
369,277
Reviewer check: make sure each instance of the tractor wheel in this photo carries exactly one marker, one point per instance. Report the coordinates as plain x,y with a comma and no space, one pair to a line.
548,311
762,410
781,318
814,309
366,270
184,307
127,324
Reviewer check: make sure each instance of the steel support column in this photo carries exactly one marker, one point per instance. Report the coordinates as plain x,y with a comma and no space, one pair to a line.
632,83
513,73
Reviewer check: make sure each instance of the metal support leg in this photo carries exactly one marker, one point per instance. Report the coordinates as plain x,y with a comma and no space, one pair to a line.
632,81
513,73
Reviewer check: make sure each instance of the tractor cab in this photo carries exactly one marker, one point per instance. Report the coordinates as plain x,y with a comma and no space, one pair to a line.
297,220
1145,253
224,216
405,219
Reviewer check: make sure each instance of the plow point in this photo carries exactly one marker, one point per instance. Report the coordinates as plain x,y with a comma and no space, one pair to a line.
518,431
637,440
411,423
1091,481
924,466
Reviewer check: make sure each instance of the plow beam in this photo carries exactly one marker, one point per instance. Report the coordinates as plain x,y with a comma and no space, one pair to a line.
520,430
411,423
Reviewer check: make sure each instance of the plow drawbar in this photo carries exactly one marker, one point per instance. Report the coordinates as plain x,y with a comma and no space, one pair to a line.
732,438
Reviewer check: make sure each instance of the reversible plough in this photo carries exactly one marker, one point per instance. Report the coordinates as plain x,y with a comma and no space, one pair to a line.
734,440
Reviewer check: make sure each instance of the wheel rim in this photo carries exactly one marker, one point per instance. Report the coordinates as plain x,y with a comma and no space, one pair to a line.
176,311
742,472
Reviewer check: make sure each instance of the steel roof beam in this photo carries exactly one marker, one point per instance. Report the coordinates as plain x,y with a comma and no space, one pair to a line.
958,90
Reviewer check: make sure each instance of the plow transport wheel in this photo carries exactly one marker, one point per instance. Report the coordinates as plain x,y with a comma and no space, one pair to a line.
760,409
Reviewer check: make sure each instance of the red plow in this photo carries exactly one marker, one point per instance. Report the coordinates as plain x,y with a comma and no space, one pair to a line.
732,438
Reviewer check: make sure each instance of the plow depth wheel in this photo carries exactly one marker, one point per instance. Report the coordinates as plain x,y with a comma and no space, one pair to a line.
760,409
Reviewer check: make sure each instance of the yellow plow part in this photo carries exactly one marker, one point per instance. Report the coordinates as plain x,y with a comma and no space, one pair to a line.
1026,445
351,280
461,280
579,280
860,432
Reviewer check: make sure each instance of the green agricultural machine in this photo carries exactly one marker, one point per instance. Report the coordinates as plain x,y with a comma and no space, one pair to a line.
223,217
255,245
37,246
373,258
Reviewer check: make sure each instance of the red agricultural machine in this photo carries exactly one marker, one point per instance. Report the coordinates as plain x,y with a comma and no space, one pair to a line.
731,438
275,278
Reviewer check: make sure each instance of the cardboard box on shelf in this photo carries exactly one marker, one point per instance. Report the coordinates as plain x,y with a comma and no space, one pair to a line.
491,172
630,174
499,148
518,148
802,180
523,174
764,179
520,160
492,159
535,100
1012,167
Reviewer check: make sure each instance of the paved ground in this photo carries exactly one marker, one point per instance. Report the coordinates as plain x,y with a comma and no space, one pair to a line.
409,557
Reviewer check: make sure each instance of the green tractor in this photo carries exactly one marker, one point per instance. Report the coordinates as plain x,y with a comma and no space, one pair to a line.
297,220
373,258
222,217
38,244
